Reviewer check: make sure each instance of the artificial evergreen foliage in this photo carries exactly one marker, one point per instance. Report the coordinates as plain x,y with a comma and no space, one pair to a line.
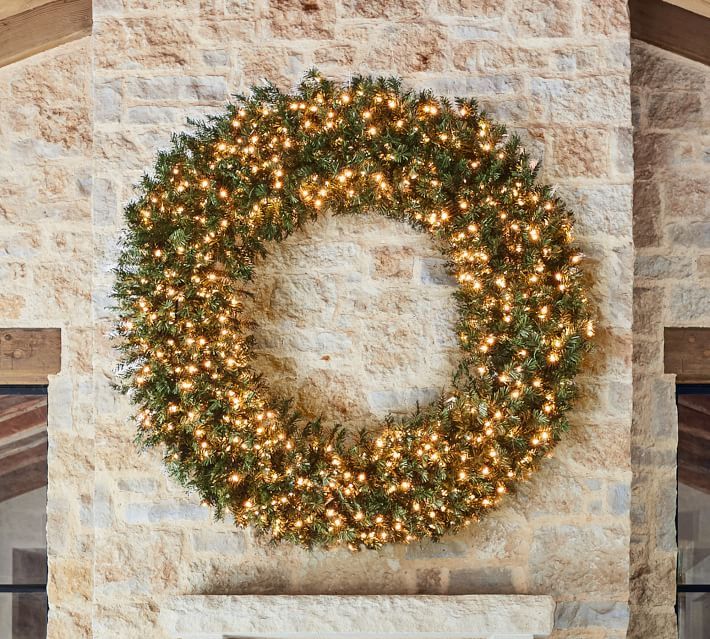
265,168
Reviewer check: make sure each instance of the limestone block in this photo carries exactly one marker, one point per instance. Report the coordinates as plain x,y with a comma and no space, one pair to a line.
154,115
652,68
484,580
674,110
602,209
407,48
242,8
443,549
619,496
473,8
585,615
542,18
329,57
659,622
582,152
143,513
647,301
659,267
689,304
177,88
475,32
584,449
142,566
603,574
488,616
490,56
302,19
147,42
430,581
622,150
218,543
587,99
391,10
12,306
689,234
562,495
107,100
685,195
605,18
393,262
216,58
647,213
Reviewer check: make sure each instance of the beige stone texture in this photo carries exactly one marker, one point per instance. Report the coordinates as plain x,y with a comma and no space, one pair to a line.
46,265
671,109
556,71
354,319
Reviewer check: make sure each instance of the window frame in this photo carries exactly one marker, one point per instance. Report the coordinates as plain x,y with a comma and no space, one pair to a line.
21,589
682,588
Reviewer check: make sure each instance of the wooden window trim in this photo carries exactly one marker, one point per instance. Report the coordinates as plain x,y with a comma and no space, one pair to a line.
686,354
37,26
29,355
670,27
701,7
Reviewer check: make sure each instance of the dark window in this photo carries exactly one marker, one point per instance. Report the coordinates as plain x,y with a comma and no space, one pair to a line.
23,512
693,511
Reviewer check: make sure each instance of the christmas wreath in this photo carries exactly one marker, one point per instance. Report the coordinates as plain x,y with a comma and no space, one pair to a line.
271,163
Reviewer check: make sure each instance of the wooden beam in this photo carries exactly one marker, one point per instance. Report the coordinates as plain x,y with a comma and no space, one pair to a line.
670,27
42,26
13,7
696,6
29,355
686,353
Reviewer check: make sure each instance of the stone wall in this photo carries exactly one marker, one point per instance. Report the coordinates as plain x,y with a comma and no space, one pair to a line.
355,319
22,525
46,264
557,71
671,108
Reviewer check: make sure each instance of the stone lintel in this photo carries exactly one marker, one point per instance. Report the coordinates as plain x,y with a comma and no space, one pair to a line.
357,617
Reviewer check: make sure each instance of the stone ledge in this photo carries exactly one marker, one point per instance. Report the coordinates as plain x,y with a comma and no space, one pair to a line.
356,617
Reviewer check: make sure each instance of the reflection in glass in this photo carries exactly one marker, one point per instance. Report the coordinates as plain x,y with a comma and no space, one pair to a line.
23,512
693,489
693,615
27,618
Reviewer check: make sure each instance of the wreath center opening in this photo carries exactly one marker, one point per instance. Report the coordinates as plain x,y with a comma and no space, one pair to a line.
354,319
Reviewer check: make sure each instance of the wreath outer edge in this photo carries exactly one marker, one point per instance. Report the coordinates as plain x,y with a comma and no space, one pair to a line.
270,164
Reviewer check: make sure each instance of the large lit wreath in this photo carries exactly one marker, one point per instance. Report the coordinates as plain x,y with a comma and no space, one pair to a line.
262,170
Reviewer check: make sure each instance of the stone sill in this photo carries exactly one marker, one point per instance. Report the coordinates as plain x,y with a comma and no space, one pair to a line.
356,617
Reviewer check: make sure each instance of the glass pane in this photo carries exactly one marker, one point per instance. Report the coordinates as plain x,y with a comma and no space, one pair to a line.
23,487
23,615
694,489
693,615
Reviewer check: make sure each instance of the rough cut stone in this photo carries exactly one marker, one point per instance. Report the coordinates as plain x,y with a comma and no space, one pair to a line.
201,88
302,18
588,615
81,123
488,580
543,18
468,617
671,235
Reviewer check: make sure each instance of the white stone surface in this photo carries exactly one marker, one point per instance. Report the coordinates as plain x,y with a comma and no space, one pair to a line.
357,617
